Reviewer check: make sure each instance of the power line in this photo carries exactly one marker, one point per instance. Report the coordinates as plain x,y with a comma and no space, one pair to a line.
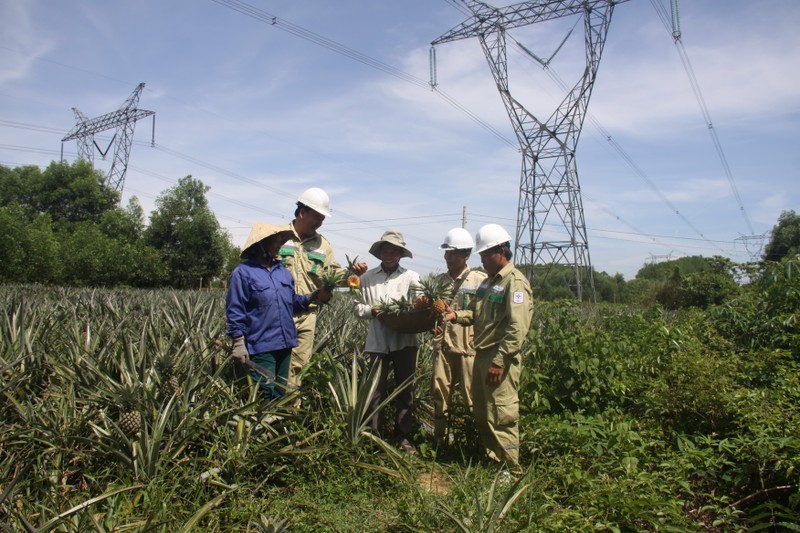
327,223
614,144
334,46
687,66
336,226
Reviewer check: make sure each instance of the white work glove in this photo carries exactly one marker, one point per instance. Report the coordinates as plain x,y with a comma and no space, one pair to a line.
239,351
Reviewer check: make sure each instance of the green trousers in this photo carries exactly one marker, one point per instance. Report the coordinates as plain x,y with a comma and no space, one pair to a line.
449,371
496,410
301,354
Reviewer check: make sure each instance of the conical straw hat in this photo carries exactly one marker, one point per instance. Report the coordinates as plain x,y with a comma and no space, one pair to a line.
261,231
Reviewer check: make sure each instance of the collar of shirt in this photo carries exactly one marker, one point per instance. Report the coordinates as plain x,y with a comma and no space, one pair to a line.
398,270
461,276
503,272
272,264
297,235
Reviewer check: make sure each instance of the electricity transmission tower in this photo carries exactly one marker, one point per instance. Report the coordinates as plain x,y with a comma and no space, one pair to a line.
124,120
549,191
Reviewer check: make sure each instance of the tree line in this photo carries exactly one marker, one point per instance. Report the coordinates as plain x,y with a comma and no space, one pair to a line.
64,226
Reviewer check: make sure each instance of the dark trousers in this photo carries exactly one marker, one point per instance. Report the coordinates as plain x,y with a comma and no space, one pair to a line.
404,362
278,363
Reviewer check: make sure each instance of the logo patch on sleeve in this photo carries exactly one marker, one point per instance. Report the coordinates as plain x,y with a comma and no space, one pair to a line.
519,297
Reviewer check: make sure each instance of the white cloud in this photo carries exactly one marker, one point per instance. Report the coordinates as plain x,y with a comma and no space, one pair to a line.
20,40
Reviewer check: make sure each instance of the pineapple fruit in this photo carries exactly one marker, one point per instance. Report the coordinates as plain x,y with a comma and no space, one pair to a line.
333,278
434,293
130,418
167,381
353,281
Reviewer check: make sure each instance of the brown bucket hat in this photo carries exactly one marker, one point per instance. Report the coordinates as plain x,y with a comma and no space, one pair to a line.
391,236
261,231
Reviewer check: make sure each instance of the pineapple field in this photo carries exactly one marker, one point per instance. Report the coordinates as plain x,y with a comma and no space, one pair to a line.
122,413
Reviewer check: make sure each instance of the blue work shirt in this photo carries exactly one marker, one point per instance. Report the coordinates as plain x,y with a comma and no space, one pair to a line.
260,305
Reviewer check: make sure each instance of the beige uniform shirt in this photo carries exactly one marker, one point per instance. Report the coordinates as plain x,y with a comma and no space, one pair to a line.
501,314
307,260
457,338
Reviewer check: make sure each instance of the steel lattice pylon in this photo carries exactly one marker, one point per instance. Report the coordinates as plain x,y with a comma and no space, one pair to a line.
549,191
124,120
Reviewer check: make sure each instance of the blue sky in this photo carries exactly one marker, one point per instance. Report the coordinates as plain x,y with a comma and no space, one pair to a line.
259,113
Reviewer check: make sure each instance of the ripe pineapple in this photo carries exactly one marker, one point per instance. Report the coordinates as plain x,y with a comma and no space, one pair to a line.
167,382
129,419
353,281
422,302
435,293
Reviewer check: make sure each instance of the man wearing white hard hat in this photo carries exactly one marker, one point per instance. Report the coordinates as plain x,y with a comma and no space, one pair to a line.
453,351
501,315
307,255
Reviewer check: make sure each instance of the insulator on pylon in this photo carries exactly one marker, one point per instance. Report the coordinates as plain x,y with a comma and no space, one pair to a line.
433,67
676,20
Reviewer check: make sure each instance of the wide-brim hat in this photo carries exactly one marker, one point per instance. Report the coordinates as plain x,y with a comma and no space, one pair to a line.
261,231
391,236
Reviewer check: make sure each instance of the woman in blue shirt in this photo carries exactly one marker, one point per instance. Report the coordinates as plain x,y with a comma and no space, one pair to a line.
260,304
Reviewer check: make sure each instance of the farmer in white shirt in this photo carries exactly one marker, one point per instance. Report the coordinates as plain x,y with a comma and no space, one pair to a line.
392,348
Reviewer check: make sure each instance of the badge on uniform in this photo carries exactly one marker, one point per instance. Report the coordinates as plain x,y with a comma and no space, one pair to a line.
519,297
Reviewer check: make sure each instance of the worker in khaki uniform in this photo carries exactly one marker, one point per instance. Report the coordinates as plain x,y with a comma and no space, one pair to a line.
501,316
453,351
307,254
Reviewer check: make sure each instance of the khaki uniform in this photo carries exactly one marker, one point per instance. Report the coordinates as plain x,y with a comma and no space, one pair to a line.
453,352
501,315
306,260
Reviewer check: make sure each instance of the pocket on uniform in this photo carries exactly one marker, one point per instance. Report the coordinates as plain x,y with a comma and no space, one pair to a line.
315,263
506,414
260,293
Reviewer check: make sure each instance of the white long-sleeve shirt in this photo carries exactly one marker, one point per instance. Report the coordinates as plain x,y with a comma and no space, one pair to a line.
378,286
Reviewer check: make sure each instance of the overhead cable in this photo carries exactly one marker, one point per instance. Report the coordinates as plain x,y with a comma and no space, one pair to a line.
615,145
675,31
334,46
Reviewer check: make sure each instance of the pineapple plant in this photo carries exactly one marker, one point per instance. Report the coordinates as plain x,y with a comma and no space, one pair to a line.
385,307
353,280
331,279
129,419
167,381
434,293
394,306
335,277
401,305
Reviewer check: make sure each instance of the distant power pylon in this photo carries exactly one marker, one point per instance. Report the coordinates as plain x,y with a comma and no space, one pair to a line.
660,258
753,245
549,187
124,120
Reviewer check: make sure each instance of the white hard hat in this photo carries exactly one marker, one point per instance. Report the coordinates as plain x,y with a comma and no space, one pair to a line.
316,199
489,236
457,239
